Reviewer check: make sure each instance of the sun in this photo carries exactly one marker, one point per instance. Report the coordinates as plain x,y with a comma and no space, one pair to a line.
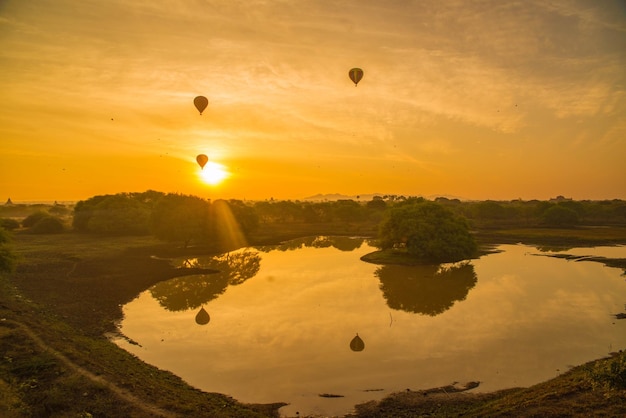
213,173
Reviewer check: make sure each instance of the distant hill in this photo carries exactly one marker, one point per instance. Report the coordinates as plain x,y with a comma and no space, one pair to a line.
368,196
337,196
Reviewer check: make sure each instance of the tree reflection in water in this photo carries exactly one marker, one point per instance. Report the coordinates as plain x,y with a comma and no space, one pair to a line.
425,289
339,242
190,292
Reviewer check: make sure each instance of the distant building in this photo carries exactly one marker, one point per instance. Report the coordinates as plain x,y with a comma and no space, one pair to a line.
9,201
560,199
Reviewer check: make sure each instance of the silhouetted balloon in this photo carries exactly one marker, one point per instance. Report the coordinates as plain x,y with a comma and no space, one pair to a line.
357,344
202,317
201,103
356,74
202,160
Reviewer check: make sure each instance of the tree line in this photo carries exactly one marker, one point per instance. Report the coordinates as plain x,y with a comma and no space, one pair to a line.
177,216
190,219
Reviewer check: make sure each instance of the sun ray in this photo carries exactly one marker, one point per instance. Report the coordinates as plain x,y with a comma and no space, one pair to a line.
229,233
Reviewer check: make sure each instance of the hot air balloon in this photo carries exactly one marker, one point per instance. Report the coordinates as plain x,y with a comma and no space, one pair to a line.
202,317
357,343
202,160
356,74
201,103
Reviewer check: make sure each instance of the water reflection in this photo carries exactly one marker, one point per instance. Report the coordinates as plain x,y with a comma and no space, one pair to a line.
202,317
190,292
357,344
288,333
425,289
339,242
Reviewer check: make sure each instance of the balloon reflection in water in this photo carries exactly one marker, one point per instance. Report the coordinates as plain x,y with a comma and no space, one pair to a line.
202,317
357,344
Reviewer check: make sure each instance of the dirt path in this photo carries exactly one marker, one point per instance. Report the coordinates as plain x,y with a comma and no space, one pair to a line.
117,391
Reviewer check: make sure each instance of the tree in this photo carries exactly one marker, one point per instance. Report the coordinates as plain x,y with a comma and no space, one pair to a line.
245,215
347,210
490,210
428,231
377,203
119,214
560,216
178,217
83,211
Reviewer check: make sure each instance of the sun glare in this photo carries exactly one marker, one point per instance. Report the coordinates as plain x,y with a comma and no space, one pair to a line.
213,173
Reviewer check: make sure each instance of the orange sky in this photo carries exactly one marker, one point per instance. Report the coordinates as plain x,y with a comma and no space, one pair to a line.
475,99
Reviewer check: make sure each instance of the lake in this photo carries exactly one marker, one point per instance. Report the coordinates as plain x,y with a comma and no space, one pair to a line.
278,323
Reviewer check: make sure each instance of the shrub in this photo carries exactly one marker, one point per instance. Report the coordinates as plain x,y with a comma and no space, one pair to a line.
48,225
33,218
609,374
9,224
7,258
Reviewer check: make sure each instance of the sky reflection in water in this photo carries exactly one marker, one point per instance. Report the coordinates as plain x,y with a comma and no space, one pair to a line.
282,319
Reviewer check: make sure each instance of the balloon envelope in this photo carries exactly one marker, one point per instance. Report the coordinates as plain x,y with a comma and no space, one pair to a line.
201,103
202,160
202,317
357,344
356,74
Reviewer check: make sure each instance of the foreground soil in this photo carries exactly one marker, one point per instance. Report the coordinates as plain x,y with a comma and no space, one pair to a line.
67,293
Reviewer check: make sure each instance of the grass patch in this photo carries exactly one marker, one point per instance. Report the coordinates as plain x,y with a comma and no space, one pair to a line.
609,375
569,237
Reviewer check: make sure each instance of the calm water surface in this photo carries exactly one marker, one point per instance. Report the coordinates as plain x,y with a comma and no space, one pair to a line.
281,320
